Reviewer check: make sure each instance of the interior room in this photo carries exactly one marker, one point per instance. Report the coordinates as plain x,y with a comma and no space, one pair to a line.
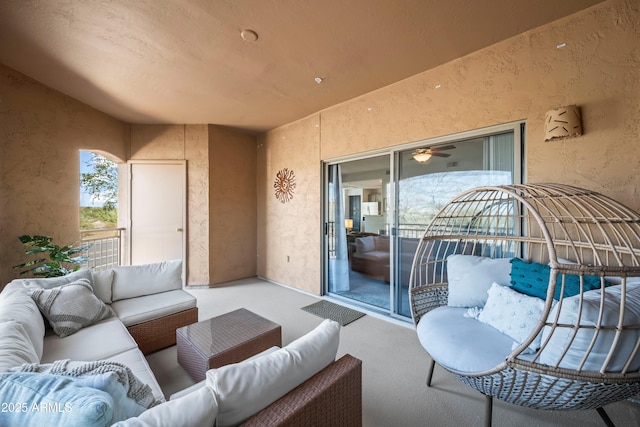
309,145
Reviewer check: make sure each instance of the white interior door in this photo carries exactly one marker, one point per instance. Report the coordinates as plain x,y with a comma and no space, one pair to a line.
157,210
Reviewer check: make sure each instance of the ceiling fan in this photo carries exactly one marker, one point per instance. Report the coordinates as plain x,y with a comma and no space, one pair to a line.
421,155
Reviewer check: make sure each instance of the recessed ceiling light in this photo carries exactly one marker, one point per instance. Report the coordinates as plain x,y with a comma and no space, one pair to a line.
249,35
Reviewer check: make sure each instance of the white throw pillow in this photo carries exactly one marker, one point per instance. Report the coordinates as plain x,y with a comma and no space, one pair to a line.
514,314
569,313
132,281
471,276
245,388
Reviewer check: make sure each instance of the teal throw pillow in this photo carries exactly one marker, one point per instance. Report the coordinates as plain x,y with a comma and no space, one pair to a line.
532,278
36,400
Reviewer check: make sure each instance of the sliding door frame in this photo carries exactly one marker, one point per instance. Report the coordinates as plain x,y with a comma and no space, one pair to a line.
519,168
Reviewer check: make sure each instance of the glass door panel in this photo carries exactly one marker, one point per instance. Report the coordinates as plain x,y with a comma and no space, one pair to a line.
358,231
423,188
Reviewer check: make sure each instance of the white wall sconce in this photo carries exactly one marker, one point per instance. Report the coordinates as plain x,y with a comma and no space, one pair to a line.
563,122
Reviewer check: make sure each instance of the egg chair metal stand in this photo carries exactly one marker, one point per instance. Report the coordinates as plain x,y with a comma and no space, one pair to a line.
575,232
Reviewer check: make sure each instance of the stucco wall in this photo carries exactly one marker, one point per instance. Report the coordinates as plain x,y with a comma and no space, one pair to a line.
289,233
190,143
41,133
518,79
232,205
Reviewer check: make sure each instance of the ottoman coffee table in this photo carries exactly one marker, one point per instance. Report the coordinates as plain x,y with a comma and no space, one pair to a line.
224,339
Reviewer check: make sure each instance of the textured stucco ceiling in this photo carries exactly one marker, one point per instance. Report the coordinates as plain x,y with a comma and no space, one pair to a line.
183,61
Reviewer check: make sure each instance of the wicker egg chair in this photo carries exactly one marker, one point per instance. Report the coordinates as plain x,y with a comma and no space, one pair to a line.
575,233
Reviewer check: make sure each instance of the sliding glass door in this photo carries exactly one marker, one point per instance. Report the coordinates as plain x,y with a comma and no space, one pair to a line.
377,208
358,250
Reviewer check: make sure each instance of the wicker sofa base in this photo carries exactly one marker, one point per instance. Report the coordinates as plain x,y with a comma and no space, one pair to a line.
332,397
160,333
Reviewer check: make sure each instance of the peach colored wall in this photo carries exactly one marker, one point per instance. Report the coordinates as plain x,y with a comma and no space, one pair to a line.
232,206
41,133
190,143
518,79
289,233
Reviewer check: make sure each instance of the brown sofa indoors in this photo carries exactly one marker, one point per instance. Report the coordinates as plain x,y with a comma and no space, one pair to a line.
371,256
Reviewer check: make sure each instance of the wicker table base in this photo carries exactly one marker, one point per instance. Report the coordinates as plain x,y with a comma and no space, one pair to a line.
225,339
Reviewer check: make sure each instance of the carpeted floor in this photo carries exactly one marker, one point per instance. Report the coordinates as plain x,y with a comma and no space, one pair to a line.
394,367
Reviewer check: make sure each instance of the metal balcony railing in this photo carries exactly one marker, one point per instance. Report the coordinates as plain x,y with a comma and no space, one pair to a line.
105,248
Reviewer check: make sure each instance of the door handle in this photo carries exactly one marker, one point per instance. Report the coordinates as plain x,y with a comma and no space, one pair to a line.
179,230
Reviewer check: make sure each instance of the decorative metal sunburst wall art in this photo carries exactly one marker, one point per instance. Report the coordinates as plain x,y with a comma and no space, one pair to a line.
284,185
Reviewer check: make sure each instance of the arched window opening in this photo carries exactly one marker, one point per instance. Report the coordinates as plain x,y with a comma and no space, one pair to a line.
99,210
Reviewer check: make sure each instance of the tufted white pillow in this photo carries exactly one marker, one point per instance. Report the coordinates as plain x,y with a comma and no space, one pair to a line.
514,314
471,276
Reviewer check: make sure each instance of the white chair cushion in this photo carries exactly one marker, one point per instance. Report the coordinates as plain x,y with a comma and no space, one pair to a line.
569,313
471,276
102,282
244,388
100,341
194,409
203,383
15,346
462,343
141,309
17,305
132,281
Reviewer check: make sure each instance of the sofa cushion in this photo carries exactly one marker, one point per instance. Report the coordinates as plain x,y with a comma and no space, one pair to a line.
70,307
141,309
471,276
462,343
100,341
198,408
15,347
374,256
54,282
381,244
365,244
132,281
570,313
66,403
244,388
102,281
17,305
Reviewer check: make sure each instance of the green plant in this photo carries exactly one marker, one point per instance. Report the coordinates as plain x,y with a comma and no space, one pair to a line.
61,258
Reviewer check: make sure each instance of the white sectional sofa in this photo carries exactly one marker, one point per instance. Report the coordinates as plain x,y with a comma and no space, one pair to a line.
91,370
